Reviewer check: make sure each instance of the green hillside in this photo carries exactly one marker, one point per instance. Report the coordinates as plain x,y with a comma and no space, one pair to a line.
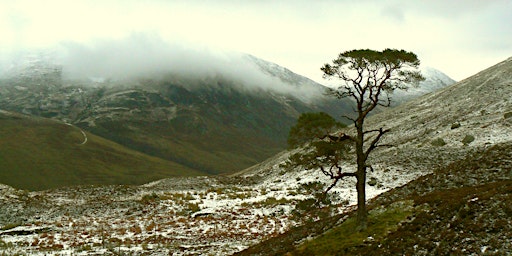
37,154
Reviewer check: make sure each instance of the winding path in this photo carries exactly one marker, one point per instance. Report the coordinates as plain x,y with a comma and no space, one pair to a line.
82,131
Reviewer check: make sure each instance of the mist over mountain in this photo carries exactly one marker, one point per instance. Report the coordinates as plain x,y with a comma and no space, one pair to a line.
148,56
434,80
213,111
443,185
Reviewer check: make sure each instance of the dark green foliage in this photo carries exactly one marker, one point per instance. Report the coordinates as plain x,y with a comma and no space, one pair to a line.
311,126
313,129
309,208
320,153
390,62
507,115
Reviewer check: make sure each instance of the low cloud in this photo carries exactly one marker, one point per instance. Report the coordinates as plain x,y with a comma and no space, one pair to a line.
149,56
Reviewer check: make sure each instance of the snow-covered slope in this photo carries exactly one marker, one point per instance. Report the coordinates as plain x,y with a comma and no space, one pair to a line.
434,80
223,215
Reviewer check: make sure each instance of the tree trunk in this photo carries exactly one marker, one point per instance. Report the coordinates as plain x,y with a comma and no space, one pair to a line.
362,215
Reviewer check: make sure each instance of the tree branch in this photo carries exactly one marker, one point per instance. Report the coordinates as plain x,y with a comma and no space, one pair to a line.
374,142
340,138
339,175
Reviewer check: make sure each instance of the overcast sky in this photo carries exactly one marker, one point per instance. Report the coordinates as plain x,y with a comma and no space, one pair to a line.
458,37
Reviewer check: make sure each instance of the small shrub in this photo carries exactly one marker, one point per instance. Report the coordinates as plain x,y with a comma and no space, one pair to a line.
468,139
10,225
192,207
272,201
507,115
150,198
438,142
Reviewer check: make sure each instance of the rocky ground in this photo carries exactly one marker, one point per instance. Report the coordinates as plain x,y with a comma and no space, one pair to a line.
185,216
460,209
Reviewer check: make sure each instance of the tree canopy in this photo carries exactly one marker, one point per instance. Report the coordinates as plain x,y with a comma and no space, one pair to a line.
311,126
366,74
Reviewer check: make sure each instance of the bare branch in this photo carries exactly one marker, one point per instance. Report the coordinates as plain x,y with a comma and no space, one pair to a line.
371,131
336,176
348,117
374,142
340,138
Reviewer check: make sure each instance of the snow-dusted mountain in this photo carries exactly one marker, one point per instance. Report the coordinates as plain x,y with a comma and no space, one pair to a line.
227,105
434,80
468,124
437,128
230,116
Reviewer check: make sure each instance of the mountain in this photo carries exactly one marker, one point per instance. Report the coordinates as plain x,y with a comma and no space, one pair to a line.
434,80
436,191
224,120
213,123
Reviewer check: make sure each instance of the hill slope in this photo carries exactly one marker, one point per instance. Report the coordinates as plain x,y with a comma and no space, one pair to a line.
38,153
460,138
459,209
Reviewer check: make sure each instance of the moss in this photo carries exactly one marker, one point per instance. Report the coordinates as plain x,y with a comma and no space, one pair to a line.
438,142
382,221
468,139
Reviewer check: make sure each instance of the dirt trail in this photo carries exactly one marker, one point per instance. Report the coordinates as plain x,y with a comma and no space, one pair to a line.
82,131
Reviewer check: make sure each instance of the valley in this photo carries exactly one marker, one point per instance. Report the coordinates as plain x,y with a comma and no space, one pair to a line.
450,148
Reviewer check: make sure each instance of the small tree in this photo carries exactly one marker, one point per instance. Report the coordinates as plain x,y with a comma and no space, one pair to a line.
368,77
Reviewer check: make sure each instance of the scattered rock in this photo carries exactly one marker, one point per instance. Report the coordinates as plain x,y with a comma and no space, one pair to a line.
455,125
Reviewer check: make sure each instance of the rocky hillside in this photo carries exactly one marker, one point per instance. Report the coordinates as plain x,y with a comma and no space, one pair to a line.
460,139
459,209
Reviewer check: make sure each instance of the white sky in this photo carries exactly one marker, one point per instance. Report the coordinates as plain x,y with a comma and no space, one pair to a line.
458,37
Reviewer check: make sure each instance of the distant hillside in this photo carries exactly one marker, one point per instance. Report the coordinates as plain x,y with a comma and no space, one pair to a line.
38,153
216,123
230,117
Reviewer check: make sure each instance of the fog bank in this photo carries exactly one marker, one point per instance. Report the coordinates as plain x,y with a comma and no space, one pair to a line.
149,56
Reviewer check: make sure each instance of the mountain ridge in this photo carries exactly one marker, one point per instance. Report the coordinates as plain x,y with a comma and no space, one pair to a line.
213,123
215,108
